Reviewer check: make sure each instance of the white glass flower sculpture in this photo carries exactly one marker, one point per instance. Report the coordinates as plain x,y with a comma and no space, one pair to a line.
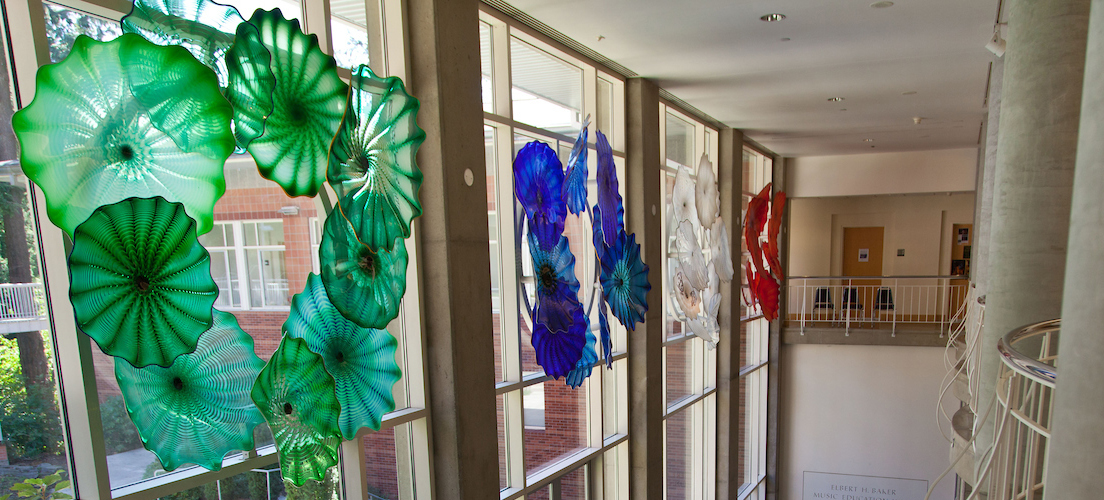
690,256
707,197
722,256
685,295
682,197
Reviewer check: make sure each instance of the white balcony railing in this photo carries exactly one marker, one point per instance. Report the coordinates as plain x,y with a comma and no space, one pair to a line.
22,302
879,302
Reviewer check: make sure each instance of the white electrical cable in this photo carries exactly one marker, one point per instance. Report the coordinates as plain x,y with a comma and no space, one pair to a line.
961,454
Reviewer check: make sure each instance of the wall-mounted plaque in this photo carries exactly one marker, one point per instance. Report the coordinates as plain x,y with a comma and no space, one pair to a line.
826,486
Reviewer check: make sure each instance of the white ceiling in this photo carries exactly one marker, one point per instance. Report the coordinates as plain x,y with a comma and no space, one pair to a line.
719,57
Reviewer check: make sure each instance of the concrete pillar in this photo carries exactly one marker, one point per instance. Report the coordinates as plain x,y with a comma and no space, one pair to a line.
730,181
1033,181
1077,447
454,253
774,344
644,208
983,194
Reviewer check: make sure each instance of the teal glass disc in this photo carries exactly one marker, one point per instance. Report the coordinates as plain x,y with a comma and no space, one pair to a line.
365,285
198,409
372,160
219,38
125,118
308,103
140,282
297,397
361,360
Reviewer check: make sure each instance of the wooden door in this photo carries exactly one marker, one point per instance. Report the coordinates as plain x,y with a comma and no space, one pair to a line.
862,256
961,252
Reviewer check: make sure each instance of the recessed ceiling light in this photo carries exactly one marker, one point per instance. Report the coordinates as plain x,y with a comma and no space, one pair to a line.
881,5
843,109
770,18
601,37
835,99
786,39
868,140
910,92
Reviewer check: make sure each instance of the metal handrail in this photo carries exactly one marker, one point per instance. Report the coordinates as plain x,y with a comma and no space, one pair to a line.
1026,365
954,276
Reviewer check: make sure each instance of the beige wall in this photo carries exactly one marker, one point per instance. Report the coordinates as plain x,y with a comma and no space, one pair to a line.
920,224
862,410
945,170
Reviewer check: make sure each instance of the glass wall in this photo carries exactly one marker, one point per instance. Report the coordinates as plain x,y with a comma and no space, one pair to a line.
689,365
553,440
263,247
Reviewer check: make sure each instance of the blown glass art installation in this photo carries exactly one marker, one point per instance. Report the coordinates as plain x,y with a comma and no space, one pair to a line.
625,280
585,365
140,282
372,165
298,399
361,360
308,104
218,37
365,285
706,195
538,186
125,118
198,409
609,198
560,326
575,181
764,280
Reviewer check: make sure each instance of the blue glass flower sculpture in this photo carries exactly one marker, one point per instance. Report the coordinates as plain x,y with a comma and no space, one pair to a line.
361,360
140,282
198,409
218,37
365,285
372,160
604,331
609,198
575,182
585,365
308,104
559,332
625,280
125,118
298,399
538,185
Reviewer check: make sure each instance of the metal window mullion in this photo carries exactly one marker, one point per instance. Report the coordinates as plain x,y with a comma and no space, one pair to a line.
240,257
514,421
509,304
76,379
501,79
316,20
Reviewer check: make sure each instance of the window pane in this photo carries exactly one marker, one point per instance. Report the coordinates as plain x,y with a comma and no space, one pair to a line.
270,233
224,270
381,461
555,422
679,455
274,278
495,247
547,92
64,25
680,141
604,120
349,31
486,65
503,459
680,365
573,485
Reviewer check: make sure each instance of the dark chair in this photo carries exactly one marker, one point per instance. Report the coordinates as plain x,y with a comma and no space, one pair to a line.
883,301
851,303
822,299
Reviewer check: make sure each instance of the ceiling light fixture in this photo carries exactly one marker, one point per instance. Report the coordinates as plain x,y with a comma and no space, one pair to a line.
881,5
786,39
910,92
997,44
868,140
835,99
770,18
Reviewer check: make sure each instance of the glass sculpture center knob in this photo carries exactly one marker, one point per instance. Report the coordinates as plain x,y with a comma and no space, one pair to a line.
367,261
340,357
287,408
547,277
142,283
126,152
177,383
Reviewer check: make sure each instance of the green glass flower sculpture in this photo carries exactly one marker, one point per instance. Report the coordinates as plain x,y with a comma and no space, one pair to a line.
218,36
125,118
140,282
366,286
361,360
297,397
309,101
198,409
372,165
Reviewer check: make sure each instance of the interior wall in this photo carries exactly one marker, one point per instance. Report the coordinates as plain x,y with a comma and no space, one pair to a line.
945,170
921,225
862,410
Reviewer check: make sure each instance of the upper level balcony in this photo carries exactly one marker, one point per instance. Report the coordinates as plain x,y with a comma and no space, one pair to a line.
22,308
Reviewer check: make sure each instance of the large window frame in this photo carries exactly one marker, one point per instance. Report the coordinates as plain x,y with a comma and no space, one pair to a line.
25,26
604,456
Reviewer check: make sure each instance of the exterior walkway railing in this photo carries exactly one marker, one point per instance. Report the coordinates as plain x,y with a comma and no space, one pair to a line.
848,302
22,301
1025,395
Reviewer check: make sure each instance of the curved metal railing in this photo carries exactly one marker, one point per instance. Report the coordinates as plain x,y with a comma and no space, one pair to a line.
1025,396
